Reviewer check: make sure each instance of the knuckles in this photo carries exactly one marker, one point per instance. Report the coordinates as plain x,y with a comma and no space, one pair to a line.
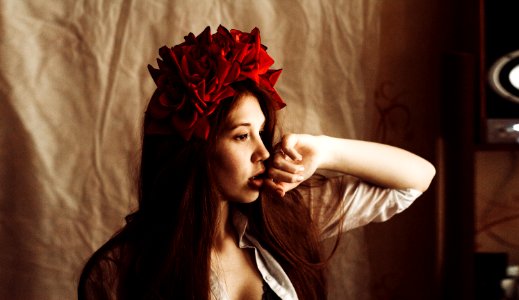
276,162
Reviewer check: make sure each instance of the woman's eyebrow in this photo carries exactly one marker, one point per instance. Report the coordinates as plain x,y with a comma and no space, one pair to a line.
242,124
234,126
245,124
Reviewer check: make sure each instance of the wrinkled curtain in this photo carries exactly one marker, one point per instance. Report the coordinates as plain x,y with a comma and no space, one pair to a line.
73,88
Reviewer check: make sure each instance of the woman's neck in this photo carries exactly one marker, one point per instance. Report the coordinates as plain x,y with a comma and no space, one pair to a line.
233,267
224,231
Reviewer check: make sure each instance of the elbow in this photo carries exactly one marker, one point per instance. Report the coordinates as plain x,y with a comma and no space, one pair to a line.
429,171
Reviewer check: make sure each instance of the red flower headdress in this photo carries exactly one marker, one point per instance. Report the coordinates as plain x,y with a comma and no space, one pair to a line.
196,75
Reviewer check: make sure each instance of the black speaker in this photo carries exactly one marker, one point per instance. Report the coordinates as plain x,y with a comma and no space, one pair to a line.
490,270
500,72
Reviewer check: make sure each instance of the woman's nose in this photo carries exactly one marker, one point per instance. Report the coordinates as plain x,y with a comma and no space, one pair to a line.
261,153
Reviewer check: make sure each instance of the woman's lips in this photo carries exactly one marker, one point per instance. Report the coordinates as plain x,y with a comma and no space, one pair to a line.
256,182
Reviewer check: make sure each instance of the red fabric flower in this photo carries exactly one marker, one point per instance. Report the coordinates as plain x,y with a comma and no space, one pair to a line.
195,76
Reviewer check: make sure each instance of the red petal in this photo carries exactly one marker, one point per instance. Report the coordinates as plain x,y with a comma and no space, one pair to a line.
155,73
202,128
273,76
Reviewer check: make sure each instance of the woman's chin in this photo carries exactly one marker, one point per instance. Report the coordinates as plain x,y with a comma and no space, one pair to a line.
250,197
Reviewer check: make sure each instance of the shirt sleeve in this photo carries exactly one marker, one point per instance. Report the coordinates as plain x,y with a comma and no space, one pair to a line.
346,202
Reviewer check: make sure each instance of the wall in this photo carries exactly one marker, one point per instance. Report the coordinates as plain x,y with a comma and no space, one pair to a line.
497,203
403,252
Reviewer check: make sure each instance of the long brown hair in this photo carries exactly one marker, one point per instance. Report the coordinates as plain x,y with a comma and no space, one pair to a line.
163,251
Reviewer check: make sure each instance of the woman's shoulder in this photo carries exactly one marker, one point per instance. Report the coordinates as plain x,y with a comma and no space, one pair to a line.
101,274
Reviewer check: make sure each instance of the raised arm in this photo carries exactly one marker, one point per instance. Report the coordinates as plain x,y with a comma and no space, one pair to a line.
379,164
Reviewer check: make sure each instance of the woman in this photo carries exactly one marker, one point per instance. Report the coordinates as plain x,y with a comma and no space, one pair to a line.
224,211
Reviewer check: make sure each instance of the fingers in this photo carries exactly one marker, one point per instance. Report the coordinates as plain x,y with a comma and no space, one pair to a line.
283,176
278,188
283,162
288,146
287,169
284,169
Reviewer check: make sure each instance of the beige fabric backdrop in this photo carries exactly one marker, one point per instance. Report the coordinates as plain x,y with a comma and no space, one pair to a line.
73,87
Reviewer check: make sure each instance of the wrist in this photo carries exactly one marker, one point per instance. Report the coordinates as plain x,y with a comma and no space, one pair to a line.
322,150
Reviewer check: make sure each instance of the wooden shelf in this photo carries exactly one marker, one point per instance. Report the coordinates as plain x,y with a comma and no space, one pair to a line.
496,147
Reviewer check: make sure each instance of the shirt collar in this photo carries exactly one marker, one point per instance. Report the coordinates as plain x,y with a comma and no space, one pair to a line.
240,223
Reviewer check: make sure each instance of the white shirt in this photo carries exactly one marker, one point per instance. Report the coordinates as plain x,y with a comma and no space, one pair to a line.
359,203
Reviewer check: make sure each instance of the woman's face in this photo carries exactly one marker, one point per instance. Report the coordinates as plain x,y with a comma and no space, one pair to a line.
240,152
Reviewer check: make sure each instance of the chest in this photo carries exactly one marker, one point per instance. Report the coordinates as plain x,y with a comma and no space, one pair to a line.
237,274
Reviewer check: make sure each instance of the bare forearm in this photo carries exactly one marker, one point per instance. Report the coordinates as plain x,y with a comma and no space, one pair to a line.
377,163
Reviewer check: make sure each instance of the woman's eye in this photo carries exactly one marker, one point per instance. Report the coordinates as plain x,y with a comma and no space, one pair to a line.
241,137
